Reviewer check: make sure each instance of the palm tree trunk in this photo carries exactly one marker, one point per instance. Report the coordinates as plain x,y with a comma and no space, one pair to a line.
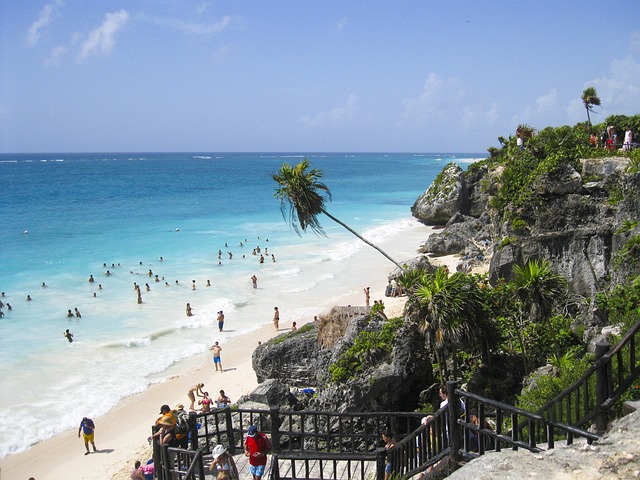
588,121
351,230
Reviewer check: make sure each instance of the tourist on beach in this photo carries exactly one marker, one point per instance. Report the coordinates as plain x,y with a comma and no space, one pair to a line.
220,320
261,259
189,310
70,313
273,258
87,427
223,466
254,281
77,313
367,295
256,447
276,318
193,391
205,402
147,287
223,400
166,434
137,473
68,335
294,327
217,361
193,284
208,283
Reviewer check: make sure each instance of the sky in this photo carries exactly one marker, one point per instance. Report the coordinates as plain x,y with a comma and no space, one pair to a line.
307,76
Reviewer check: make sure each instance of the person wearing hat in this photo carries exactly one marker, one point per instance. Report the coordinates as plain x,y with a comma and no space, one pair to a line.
223,465
256,447
166,430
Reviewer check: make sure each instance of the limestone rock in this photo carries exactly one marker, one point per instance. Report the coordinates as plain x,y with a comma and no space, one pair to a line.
442,198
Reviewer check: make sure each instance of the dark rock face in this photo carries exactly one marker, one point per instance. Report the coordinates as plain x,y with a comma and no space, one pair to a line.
391,384
573,221
386,384
292,359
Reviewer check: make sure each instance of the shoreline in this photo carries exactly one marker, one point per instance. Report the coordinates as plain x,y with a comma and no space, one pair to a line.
121,434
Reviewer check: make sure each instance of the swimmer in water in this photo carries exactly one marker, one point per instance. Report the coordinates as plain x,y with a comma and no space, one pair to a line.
68,335
69,313
77,312
91,279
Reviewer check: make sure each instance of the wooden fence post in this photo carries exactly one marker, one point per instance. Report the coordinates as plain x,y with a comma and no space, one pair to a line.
602,386
455,435
275,428
193,431
230,433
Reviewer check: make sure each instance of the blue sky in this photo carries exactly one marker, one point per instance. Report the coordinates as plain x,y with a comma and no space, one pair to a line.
303,76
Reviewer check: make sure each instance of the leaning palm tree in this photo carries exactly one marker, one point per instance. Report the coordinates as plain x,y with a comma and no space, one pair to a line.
589,100
303,195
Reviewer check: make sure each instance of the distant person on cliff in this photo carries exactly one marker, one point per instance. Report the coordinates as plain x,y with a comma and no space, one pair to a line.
367,296
87,427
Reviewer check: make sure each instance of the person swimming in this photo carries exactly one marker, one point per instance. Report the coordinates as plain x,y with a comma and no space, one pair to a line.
68,335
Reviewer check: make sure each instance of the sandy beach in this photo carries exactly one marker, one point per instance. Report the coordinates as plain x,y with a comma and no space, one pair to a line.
121,435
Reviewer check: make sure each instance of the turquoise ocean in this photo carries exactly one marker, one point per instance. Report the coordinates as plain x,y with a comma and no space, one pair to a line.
64,217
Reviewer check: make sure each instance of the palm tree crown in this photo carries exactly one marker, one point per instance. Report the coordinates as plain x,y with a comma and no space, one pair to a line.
590,99
302,194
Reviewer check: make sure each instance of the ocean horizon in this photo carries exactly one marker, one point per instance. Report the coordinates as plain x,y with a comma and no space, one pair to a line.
171,221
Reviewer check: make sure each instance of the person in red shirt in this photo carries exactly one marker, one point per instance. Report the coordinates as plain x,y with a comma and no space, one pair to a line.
256,447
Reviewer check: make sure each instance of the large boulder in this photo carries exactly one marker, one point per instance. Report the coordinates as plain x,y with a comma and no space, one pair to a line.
293,358
443,197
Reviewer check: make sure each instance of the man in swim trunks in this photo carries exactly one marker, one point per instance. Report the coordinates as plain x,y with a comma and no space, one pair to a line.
220,320
87,427
217,361
256,447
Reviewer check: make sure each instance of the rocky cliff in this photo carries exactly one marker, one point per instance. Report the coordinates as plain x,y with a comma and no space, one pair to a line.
584,222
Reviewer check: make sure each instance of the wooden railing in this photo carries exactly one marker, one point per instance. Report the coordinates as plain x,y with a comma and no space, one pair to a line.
450,434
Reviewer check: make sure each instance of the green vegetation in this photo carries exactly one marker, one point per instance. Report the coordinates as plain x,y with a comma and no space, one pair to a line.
281,338
368,349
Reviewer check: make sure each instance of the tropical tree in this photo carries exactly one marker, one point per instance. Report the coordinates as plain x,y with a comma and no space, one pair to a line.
538,289
449,304
302,195
589,100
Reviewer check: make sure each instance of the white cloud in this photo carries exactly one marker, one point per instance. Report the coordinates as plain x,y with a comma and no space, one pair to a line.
336,117
437,97
191,27
56,54
342,23
473,117
203,7
619,91
101,40
47,14
544,104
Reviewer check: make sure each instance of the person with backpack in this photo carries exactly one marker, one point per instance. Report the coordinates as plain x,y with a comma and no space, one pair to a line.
256,447
182,426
